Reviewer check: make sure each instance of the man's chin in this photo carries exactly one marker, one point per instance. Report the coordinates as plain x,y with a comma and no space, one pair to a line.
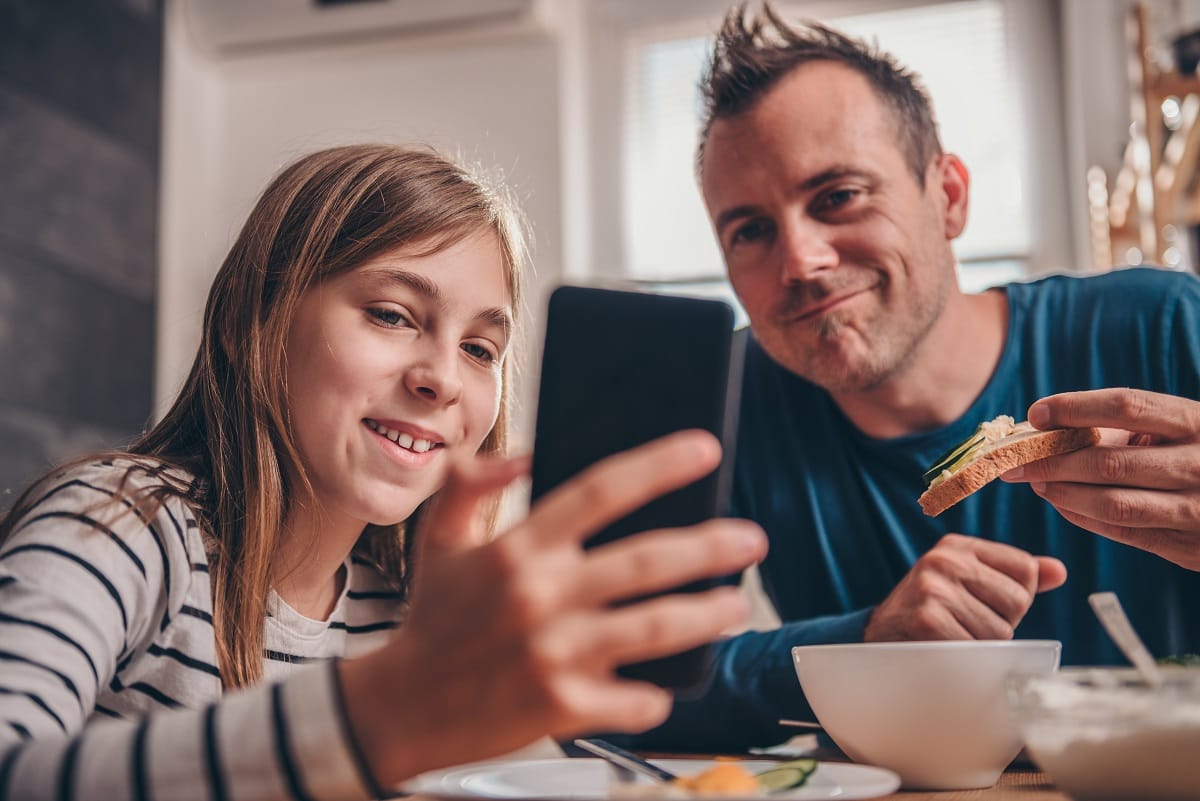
849,377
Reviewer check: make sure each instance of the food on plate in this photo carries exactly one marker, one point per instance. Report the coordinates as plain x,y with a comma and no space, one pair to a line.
996,447
726,778
1181,660
786,775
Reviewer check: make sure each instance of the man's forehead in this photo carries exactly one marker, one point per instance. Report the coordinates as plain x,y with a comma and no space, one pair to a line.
821,115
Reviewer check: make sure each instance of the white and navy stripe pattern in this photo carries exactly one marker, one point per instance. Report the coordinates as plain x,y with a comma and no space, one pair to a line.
109,685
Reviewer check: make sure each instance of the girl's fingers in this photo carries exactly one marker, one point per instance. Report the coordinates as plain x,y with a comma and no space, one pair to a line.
655,627
452,521
662,560
610,489
605,703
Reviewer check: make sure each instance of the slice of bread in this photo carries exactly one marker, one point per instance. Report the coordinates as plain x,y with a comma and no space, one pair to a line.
1025,444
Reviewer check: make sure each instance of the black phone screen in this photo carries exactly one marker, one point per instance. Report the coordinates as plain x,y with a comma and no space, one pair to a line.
618,370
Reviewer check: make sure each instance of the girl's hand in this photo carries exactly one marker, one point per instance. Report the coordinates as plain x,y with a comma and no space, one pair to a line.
517,638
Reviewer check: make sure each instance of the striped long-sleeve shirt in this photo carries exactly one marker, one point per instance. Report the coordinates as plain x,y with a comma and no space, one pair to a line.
108,679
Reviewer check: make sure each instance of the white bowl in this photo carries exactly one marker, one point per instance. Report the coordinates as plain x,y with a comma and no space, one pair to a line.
1103,734
935,712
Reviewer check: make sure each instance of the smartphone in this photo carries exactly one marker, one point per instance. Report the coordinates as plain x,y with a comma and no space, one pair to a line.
618,370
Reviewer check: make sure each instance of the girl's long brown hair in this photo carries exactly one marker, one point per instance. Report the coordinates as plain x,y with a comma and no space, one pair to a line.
327,213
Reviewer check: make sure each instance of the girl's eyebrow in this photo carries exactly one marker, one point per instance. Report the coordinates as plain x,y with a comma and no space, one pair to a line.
496,316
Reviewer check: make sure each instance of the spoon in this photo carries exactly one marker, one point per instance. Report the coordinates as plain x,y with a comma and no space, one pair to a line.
1116,623
800,724
624,760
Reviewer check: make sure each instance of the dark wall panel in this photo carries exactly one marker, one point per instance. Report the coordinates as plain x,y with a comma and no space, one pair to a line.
35,442
73,348
99,58
76,197
80,84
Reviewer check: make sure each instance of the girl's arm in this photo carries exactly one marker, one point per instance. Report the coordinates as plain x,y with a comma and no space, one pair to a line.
85,587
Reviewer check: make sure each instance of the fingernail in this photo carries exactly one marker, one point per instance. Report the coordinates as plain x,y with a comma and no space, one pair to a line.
1039,415
752,541
1038,487
1016,474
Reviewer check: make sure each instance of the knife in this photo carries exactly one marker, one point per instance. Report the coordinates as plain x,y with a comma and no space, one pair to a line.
622,758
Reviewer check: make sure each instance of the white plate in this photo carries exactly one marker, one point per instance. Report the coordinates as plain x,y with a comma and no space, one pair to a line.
579,779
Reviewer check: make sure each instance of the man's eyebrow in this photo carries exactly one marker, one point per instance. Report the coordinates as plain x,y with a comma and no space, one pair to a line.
834,173
497,316
736,213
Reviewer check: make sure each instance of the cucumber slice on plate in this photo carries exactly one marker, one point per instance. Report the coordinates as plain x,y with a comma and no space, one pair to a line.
786,775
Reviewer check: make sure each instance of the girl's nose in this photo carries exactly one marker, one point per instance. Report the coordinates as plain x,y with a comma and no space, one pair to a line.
435,378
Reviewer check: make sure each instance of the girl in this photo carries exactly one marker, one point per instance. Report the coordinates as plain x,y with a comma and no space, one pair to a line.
261,538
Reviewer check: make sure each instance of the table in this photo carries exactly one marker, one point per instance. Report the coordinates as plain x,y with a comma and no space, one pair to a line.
1016,784
1021,782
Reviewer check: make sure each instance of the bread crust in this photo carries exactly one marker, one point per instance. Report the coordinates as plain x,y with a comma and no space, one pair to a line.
1000,459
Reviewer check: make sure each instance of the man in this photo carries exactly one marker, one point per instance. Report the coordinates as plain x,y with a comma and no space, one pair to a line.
835,207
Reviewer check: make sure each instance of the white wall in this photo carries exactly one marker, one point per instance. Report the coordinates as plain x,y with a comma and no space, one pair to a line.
540,98
488,93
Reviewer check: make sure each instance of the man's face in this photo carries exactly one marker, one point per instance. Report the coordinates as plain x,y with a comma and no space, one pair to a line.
840,257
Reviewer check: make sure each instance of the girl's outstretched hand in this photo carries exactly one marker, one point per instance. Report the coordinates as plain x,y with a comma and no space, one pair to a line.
510,640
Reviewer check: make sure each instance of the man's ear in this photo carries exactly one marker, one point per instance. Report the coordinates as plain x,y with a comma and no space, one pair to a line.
954,181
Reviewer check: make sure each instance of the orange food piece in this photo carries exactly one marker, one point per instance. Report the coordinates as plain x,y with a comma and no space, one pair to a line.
723,778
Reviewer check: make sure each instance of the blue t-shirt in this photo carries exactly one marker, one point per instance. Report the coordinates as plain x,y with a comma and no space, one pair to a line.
840,508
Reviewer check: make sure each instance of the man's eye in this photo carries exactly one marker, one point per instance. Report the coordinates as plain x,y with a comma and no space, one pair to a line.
479,352
388,317
751,231
838,198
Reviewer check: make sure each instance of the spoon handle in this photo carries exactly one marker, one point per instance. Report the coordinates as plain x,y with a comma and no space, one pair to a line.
1112,616
619,756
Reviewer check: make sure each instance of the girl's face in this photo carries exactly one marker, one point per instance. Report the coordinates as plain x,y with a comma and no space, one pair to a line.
394,367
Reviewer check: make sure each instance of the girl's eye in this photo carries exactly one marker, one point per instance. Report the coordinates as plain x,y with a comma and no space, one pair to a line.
388,317
479,352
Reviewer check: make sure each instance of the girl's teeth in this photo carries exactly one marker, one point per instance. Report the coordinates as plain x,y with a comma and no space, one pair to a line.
400,438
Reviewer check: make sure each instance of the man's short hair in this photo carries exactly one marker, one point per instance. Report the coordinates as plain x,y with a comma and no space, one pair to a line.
753,52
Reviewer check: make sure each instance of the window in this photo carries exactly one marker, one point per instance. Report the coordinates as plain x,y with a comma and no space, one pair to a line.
961,51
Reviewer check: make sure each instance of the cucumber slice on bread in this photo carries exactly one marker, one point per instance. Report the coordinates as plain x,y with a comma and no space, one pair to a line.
996,447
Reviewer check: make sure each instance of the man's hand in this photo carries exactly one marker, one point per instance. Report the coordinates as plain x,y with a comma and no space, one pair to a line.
964,588
1141,484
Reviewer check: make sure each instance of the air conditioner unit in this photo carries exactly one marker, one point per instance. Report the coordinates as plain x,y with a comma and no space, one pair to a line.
230,25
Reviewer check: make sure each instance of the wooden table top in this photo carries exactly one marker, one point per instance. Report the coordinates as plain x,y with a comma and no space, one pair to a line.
1022,781
1016,784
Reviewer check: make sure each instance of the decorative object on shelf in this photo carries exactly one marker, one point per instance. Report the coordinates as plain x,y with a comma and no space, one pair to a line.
1154,200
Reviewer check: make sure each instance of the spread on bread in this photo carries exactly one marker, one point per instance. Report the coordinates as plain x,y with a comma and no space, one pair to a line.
987,432
998,445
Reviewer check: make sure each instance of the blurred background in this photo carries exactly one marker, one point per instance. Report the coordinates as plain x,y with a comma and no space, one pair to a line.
135,135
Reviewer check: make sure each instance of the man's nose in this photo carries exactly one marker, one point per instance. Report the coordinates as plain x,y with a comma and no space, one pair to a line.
434,376
806,251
